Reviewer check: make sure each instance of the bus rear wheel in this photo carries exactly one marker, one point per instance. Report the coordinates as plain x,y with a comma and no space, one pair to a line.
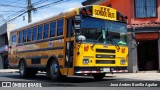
54,71
98,76
22,69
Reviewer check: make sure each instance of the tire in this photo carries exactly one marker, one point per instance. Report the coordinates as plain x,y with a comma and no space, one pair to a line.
24,71
54,71
98,76
6,63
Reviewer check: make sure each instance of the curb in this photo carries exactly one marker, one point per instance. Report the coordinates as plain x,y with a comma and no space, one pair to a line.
9,70
110,75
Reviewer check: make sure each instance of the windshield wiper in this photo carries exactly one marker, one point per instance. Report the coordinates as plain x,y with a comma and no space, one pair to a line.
96,41
109,37
114,42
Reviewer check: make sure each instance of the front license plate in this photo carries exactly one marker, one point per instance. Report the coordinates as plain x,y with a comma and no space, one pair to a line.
106,69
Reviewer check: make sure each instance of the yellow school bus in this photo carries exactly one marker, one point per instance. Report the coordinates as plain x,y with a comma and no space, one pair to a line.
89,40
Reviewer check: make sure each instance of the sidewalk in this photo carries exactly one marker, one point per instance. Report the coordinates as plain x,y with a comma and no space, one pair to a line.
9,70
137,76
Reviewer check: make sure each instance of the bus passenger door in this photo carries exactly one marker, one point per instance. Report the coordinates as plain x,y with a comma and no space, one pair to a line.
69,52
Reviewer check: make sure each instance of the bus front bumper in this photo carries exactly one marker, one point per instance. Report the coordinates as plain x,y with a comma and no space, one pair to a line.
90,70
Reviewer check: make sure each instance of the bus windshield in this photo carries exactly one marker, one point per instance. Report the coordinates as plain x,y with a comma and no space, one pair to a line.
92,29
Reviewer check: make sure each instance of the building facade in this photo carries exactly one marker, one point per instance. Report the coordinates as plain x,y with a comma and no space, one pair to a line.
144,20
4,38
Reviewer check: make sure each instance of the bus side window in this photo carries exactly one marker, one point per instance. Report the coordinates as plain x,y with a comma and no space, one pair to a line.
40,27
29,34
52,28
60,27
46,29
14,40
20,36
25,36
34,34
70,31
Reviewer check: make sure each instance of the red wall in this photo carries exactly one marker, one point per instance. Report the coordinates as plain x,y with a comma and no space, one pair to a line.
126,7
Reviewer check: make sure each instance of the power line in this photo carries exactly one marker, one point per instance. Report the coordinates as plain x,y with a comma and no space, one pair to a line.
17,13
39,2
5,5
31,8
52,3
8,11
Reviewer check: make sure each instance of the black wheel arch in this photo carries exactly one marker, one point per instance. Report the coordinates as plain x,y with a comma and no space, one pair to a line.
53,57
22,59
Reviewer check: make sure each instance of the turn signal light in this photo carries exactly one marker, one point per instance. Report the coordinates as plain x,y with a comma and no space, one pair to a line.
86,11
123,50
120,18
89,12
83,11
86,47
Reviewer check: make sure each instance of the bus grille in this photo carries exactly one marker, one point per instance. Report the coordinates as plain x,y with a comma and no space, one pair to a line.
105,56
105,61
105,51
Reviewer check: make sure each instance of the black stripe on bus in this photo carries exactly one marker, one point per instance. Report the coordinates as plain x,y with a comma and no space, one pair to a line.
43,40
40,66
34,57
43,49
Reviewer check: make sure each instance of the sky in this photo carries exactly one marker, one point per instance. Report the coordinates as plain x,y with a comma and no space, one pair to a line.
38,15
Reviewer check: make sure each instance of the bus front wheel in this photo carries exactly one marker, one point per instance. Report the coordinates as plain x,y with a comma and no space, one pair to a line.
98,76
54,70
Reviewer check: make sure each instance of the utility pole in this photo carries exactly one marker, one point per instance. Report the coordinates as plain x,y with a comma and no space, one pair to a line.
30,8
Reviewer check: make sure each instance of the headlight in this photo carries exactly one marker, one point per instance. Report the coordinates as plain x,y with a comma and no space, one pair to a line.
123,61
85,61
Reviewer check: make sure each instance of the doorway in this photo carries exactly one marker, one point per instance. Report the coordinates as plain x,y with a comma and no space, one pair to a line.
148,55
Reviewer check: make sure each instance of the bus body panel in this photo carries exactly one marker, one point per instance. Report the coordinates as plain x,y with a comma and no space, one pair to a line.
87,57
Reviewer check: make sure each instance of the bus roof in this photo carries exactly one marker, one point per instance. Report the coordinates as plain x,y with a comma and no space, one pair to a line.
75,11
60,15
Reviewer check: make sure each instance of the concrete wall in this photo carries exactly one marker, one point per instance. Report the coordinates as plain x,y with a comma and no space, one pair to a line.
10,27
3,29
123,6
2,40
127,8
132,64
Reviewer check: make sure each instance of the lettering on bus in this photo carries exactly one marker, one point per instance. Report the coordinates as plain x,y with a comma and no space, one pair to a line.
105,12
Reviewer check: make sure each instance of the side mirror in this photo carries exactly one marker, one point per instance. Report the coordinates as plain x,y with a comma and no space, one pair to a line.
133,35
81,38
77,23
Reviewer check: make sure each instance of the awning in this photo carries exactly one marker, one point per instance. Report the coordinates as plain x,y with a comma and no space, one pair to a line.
147,36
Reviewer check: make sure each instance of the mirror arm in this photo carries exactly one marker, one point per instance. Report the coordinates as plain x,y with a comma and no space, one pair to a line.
79,48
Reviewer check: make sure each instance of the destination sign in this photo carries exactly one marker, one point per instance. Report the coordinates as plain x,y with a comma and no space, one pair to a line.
104,12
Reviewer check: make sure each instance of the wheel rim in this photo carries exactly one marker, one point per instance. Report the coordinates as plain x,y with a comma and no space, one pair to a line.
22,68
54,69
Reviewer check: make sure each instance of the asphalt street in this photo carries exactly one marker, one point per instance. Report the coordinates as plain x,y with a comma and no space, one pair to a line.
72,83
76,81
